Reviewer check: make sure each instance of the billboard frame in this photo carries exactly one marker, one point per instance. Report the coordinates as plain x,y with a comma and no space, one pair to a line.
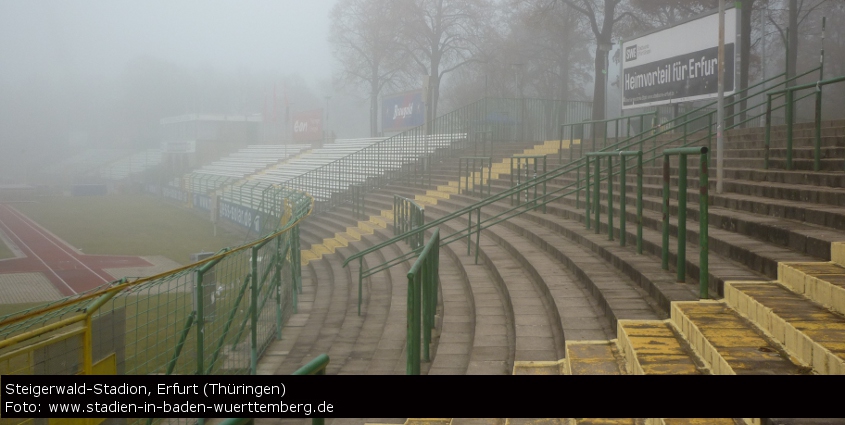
674,101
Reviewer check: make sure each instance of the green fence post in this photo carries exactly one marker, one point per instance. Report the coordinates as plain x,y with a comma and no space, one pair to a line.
789,118
477,232
597,196
587,192
360,282
682,218
609,196
703,218
817,151
278,284
253,318
665,245
469,232
768,131
640,202
200,322
623,192
426,305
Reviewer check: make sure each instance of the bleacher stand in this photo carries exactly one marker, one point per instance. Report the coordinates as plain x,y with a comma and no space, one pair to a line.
239,165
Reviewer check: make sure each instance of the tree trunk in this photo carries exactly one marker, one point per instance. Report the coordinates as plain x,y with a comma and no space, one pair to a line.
744,52
599,86
792,65
374,113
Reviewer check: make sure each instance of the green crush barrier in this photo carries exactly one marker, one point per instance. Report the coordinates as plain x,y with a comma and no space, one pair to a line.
422,303
790,117
623,183
690,129
703,277
317,366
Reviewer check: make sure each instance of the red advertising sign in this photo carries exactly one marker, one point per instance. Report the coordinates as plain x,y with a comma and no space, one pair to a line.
308,125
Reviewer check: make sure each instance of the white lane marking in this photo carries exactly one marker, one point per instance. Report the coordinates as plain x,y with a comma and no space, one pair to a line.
26,220
9,231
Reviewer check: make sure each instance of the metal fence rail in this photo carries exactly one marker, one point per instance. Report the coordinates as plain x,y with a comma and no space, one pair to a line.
692,128
216,316
423,279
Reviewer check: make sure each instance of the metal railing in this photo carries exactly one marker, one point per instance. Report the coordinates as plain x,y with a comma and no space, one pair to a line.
474,180
316,366
526,162
216,316
623,194
407,215
422,303
420,147
581,129
703,216
693,128
790,102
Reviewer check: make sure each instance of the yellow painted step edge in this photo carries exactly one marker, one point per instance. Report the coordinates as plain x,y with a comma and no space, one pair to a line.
718,365
797,343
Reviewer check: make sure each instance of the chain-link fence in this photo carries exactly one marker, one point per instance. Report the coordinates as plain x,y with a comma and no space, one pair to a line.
215,316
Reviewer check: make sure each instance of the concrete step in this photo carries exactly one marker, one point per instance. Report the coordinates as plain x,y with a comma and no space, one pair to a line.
798,164
729,344
809,332
594,358
655,347
827,152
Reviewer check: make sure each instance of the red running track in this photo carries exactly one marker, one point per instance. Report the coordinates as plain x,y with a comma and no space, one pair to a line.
69,271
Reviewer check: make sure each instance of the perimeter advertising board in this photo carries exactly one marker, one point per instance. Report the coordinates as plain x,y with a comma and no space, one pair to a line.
678,63
245,217
308,125
402,111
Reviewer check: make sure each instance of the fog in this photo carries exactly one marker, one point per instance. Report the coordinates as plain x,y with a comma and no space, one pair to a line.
89,73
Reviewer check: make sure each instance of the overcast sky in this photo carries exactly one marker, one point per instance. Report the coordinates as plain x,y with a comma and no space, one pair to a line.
98,37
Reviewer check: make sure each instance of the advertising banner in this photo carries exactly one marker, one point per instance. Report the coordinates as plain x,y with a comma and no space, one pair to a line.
245,217
202,202
402,111
308,125
679,63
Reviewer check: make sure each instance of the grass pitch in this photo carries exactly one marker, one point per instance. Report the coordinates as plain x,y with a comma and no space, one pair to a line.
129,225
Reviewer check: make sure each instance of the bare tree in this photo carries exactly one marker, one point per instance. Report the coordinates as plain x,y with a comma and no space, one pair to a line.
365,36
602,16
442,36
797,11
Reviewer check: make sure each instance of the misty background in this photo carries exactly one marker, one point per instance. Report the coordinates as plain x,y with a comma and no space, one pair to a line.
90,74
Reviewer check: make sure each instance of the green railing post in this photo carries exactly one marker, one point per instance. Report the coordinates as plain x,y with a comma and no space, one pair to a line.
469,232
768,131
253,318
665,245
682,218
277,284
200,322
587,192
640,202
184,336
623,192
360,282
789,118
703,218
817,151
610,197
597,196
477,232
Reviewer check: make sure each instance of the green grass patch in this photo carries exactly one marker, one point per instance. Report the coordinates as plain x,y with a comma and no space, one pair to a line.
130,225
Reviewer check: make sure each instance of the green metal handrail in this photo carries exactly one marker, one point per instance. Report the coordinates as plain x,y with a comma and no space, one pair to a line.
703,202
422,303
789,92
637,141
527,160
478,163
605,122
622,195
407,216
317,366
